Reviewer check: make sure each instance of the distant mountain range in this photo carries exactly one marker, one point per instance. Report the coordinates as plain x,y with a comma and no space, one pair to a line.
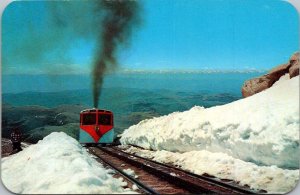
200,71
40,113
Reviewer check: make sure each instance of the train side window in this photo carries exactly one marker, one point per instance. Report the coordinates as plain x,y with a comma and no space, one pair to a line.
89,119
104,119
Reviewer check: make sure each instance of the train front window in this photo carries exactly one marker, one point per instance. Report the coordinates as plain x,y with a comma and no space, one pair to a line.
89,119
104,119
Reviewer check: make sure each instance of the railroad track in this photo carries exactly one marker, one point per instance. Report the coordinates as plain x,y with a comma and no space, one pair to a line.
155,178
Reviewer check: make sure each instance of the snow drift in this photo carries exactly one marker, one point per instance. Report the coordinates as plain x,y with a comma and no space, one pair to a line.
263,128
57,164
270,178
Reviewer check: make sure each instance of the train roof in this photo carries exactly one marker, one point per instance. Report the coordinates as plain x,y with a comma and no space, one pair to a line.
96,110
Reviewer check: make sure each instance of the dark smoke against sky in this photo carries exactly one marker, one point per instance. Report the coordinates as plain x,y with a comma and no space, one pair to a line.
93,29
52,37
176,34
119,20
39,35
61,37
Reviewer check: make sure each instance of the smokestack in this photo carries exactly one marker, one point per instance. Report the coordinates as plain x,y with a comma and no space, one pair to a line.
119,19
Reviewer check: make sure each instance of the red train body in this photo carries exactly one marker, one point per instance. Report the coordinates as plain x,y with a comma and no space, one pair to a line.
96,126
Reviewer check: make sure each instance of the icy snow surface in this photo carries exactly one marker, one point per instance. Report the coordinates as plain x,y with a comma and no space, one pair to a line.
263,128
58,164
269,178
258,134
130,172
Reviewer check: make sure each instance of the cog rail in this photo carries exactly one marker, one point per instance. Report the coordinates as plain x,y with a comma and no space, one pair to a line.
156,178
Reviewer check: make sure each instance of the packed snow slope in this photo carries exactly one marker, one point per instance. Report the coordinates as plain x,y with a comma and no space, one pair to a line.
57,165
263,128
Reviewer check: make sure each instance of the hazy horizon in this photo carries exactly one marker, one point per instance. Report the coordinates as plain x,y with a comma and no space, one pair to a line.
177,81
128,71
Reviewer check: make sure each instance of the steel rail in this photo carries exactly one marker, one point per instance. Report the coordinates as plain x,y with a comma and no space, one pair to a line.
240,189
140,185
185,181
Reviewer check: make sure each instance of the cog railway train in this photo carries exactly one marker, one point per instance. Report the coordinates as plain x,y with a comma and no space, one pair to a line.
96,126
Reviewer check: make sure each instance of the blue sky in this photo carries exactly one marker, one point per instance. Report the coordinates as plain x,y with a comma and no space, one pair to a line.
173,34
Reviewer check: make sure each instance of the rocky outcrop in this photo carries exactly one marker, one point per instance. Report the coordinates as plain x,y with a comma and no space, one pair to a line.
263,82
295,65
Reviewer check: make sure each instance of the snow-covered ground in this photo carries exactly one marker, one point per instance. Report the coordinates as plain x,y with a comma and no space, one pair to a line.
58,164
247,139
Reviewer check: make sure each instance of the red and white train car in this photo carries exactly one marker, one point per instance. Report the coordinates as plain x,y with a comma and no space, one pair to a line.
96,126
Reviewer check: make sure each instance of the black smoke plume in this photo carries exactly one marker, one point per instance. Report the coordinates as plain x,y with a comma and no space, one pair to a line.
44,46
121,16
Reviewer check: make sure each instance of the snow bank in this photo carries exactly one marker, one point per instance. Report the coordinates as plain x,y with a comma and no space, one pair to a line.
263,128
271,178
282,79
57,164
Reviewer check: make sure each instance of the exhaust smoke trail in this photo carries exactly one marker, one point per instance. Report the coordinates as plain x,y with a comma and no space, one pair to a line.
46,44
121,16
